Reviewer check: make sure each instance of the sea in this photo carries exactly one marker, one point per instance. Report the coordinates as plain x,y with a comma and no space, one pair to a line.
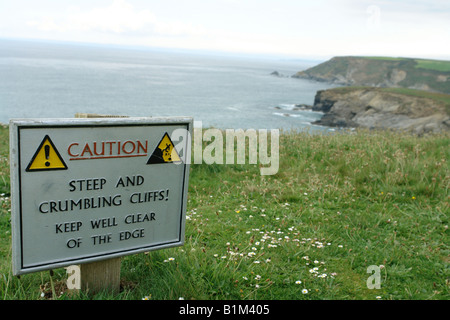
40,79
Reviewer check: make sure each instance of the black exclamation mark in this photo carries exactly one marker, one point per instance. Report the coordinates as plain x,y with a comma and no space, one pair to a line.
47,155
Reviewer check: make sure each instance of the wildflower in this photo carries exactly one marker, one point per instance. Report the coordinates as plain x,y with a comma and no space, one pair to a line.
180,298
268,260
414,198
378,297
258,277
314,270
298,282
147,297
305,291
171,259
256,261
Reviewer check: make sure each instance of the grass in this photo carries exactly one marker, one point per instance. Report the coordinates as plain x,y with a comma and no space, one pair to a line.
339,204
384,58
437,65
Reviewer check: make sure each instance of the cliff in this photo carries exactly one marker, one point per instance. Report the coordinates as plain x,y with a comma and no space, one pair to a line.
387,108
429,75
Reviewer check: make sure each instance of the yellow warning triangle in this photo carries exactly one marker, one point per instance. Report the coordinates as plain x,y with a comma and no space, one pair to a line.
46,157
165,152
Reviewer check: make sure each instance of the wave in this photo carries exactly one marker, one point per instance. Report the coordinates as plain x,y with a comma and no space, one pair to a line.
296,107
306,117
285,106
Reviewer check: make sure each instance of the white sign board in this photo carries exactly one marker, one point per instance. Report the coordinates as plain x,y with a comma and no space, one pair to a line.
85,190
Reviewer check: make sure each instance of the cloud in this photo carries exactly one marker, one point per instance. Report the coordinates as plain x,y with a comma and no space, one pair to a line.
318,28
118,18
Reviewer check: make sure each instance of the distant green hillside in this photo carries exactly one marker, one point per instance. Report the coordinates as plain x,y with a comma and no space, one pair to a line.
429,75
438,65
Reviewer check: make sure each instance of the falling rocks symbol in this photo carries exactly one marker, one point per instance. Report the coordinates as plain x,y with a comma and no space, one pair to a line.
165,152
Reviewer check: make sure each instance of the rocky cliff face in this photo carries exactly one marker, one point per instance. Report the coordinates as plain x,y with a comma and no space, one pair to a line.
381,109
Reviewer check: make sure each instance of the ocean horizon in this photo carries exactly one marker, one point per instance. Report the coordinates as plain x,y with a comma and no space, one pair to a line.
40,79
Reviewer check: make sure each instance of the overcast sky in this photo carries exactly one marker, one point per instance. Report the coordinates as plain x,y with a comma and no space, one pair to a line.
311,29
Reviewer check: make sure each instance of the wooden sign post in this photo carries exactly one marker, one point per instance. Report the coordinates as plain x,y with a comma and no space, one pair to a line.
100,275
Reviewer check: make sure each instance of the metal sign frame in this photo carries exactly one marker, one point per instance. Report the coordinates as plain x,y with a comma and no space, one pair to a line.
115,202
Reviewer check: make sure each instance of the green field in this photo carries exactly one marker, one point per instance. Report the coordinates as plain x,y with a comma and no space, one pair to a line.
339,204
437,65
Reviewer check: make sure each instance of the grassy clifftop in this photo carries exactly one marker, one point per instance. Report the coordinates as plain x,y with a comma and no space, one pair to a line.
429,75
339,204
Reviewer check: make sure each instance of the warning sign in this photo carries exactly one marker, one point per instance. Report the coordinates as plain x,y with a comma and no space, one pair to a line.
105,202
46,157
165,152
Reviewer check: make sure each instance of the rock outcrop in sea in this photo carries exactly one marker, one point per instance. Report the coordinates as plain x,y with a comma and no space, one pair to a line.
381,109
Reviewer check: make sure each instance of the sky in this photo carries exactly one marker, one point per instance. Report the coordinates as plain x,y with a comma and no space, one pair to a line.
318,29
